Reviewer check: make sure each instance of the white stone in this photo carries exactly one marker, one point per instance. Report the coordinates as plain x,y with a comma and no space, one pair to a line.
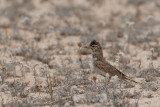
114,78
74,87
67,104
103,98
75,99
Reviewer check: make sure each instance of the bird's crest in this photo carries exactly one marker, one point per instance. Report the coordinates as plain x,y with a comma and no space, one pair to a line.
94,42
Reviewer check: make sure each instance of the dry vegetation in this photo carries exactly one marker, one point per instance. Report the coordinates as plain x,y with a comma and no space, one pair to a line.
43,62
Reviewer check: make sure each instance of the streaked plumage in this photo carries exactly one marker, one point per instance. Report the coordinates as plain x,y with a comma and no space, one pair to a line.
101,66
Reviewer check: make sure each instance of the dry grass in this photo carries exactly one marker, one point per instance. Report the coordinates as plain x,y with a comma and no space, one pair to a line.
43,61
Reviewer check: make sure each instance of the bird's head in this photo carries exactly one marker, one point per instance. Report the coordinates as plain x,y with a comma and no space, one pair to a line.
96,50
95,46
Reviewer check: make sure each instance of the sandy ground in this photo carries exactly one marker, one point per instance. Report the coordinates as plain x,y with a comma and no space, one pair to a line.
42,65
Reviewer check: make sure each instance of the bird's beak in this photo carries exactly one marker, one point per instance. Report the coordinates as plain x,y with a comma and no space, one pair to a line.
88,47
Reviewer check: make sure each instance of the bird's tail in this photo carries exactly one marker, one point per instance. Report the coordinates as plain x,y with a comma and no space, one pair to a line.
129,78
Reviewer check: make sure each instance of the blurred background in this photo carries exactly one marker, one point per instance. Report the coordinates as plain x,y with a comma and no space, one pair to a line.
37,36
60,24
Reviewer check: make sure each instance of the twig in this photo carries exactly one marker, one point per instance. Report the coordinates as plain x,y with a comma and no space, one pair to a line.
49,82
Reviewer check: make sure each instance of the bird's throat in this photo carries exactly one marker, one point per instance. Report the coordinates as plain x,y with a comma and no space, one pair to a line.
97,56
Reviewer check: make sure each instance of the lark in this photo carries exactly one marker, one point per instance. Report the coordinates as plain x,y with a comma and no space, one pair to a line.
101,66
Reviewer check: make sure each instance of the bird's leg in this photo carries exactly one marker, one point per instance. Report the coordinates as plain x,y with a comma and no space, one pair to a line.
109,79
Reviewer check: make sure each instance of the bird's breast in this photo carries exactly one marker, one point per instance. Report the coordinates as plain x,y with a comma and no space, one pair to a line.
99,71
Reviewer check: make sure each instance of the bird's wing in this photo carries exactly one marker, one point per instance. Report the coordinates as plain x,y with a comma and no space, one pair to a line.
108,68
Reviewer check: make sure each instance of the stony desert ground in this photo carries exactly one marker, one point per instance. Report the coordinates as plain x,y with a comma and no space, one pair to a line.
43,61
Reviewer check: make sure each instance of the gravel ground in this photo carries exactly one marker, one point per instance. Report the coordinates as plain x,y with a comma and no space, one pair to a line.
43,62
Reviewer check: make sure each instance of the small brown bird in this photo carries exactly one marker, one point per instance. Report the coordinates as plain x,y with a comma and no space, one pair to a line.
101,66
